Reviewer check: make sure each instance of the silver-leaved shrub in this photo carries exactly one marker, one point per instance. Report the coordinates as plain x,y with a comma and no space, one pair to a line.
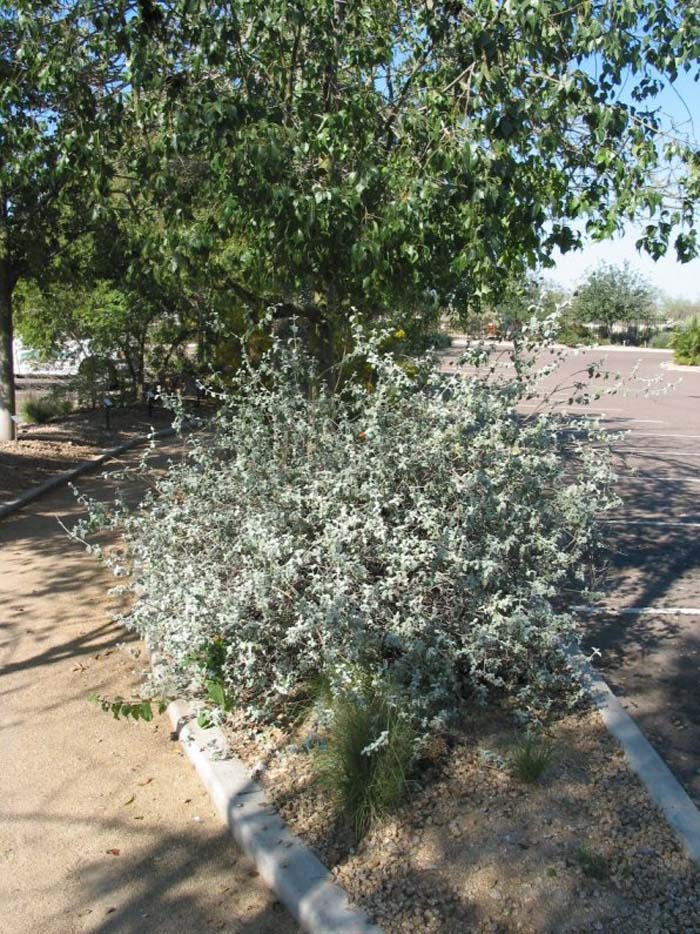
417,527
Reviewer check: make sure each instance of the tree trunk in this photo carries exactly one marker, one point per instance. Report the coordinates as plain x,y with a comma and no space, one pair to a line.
7,369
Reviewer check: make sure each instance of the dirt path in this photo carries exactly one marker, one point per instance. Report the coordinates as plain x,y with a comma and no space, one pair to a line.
41,451
104,826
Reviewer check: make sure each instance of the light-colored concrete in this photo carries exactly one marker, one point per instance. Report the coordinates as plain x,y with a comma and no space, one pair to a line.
301,881
664,789
104,826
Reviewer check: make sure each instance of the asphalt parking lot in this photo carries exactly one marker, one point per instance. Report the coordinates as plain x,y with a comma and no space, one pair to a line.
650,641
648,623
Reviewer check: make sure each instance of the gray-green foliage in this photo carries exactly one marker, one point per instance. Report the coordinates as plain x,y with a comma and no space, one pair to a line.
416,529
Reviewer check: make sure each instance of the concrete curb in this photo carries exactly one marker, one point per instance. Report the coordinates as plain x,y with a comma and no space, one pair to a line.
14,505
680,368
665,790
460,342
301,882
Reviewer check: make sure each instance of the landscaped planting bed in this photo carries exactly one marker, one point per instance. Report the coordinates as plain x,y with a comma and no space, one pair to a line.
42,451
368,580
473,848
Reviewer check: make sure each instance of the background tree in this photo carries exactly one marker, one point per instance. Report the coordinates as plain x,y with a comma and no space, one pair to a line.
615,294
380,156
679,309
55,74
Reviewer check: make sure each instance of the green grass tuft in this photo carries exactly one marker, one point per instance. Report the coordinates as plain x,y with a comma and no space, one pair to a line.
592,865
367,783
531,758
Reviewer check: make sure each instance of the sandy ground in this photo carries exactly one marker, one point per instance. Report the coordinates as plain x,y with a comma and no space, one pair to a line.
41,451
104,826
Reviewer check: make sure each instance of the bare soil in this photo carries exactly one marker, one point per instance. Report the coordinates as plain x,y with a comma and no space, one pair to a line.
472,849
41,451
104,825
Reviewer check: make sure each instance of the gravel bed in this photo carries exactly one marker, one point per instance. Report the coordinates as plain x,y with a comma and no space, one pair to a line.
472,849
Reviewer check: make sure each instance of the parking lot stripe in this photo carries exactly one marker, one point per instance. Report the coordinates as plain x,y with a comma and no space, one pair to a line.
672,522
649,476
639,610
662,452
652,434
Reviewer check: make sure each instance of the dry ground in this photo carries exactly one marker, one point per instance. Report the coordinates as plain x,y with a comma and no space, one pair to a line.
104,826
41,451
473,849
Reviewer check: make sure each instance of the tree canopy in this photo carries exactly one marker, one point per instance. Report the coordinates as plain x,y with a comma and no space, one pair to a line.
613,294
322,155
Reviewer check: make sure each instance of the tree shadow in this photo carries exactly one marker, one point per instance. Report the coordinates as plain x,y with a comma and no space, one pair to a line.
181,883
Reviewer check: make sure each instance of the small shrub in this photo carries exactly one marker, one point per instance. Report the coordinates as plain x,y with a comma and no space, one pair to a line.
661,340
367,761
95,376
530,759
41,410
686,343
574,334
592,864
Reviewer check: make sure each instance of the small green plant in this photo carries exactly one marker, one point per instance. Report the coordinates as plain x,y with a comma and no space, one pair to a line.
531,757
367,761
686,342
661,340
592,864
130,710
40,410
210,659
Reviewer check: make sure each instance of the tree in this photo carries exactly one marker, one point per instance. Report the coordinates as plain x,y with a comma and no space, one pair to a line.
613,294
376,154
679,309
95,302
53,70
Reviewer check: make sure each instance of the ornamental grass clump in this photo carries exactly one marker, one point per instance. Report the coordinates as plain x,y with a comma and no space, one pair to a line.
414,527
531,758
366,762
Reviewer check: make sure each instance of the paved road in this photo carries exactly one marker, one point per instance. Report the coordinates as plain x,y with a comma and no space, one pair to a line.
650,658
104,826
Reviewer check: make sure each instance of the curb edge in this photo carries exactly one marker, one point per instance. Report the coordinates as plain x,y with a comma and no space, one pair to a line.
286,865
664,788
14,505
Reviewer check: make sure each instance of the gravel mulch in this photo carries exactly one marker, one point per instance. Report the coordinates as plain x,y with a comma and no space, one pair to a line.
583,849
41,451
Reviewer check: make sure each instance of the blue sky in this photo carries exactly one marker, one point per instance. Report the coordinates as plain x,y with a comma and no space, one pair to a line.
680,105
